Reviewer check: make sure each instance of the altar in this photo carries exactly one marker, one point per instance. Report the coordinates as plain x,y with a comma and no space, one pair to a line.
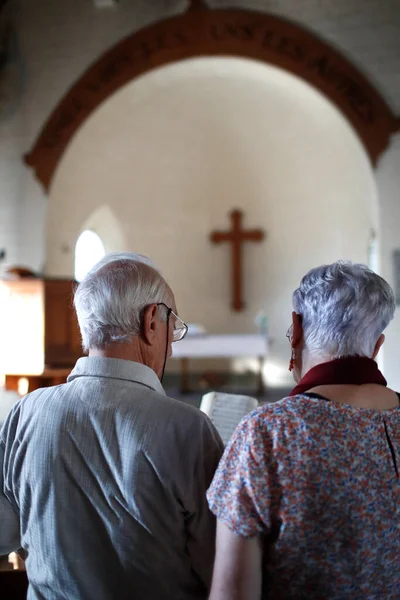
221,346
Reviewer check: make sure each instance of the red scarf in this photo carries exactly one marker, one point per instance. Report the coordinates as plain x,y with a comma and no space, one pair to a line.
354,370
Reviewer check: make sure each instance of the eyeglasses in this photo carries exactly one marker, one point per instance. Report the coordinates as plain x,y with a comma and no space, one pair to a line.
289,333
180,327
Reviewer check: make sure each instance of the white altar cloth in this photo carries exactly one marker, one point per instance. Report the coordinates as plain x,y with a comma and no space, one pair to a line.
224,345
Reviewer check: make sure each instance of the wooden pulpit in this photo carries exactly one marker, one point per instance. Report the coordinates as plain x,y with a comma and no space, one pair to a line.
40,339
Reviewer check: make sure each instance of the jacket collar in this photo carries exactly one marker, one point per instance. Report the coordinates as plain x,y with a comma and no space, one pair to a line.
116,368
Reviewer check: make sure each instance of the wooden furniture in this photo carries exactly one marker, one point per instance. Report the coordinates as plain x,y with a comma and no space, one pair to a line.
237,236
13,585
23,383
221,346
38,321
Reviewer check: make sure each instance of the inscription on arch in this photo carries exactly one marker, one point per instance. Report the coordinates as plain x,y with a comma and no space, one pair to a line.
202,32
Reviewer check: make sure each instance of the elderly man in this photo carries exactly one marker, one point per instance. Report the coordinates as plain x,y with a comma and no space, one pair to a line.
103,479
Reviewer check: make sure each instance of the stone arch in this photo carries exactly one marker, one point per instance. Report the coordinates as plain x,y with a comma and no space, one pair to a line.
223,32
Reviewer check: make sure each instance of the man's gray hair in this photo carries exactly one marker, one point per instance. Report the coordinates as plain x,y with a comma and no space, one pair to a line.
110,300
344,308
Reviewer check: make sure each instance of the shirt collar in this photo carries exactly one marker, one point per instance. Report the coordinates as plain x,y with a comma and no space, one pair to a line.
116,368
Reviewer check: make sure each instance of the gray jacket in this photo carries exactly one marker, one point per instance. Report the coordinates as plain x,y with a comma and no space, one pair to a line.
103,483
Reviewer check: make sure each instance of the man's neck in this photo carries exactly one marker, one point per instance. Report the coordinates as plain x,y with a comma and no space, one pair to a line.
121,351
132,351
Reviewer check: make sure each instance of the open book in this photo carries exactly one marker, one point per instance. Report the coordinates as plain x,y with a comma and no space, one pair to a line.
226,411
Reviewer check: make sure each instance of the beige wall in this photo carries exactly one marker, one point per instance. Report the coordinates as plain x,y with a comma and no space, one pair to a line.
388,181
172,153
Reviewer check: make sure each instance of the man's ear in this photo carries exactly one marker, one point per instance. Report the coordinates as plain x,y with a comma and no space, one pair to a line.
297,336
378,345
149,323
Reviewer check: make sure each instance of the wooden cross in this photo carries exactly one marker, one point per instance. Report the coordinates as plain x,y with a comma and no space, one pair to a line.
237,236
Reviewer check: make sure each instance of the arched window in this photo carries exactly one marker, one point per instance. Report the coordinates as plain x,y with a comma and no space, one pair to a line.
89,250
373,252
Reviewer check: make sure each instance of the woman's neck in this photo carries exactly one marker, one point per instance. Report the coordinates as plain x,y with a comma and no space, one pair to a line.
309,361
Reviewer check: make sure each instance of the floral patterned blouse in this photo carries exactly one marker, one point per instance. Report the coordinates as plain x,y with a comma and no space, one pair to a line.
319,480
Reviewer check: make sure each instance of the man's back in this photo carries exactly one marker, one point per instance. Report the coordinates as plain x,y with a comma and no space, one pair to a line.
109,478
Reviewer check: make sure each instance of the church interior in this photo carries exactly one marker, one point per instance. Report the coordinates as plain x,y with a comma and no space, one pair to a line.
238,143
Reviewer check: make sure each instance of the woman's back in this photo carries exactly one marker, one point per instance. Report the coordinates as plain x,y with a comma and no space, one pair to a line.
319,479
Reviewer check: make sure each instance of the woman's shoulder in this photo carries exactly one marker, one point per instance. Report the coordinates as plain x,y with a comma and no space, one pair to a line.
297,414
314,411
282,429
289,413
288,407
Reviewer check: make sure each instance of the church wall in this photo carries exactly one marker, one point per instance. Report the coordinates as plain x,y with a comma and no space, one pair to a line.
174,152
58,40
388,181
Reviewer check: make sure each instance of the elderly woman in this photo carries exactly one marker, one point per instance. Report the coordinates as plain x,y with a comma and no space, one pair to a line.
307,494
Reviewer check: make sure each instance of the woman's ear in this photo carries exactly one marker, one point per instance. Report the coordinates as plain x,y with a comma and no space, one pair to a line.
149,323
378,345
297,336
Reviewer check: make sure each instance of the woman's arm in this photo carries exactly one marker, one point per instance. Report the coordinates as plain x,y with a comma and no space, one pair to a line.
237,570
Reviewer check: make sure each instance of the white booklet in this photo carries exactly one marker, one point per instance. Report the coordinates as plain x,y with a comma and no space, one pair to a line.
226,411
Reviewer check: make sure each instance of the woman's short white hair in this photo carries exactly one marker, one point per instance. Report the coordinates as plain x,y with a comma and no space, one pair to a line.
110,300
344,308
